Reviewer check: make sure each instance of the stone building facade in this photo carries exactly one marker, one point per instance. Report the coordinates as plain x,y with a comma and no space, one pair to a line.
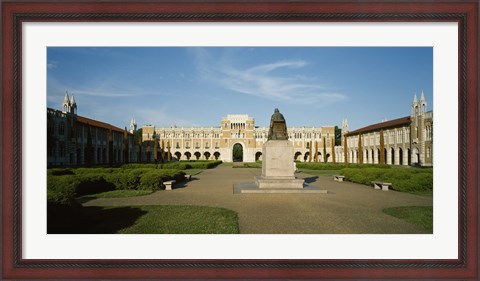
238,129
74,140
403,141
406,141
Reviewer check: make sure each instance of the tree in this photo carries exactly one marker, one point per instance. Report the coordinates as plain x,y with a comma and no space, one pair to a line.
155,148
338,136
89,148
310,153
163,152
237,152
138,135
139,141
333,150
360,149
125,146
110,147
51,138
382,148
324,151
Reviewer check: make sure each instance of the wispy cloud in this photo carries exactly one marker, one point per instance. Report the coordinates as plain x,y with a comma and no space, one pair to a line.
52,64
107,90
161,116
278,80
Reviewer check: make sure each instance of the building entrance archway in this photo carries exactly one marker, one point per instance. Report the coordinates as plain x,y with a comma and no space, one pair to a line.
237,153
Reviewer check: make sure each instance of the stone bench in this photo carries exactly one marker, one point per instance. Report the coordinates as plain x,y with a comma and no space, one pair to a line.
188,177
381,185
168,184
338,178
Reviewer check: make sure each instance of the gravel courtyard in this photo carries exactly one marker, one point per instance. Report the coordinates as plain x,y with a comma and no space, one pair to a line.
347,207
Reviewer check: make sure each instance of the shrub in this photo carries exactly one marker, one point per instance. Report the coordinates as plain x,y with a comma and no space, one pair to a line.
61,190
137,166
175,165
205,164
126,180
332,166
150,181
88,171
154,179
60,172
91,184
406,180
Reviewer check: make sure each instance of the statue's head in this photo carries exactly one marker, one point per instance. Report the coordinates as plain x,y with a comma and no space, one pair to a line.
276,110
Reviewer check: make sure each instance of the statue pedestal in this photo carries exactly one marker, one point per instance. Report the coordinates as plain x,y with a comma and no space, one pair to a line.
277,166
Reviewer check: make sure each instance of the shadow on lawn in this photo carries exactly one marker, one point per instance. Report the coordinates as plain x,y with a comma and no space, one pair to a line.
311,179
90,220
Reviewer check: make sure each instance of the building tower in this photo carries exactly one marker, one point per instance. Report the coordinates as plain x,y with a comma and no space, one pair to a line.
73,106
66,103
133,126
419,109
68,144
344,140
344,128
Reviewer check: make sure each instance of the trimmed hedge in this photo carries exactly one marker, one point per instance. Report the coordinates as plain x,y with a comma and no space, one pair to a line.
59,172
154,179
125,180
179,165
91,184
61,190
406,180
331,166
64,184
83,171
137,166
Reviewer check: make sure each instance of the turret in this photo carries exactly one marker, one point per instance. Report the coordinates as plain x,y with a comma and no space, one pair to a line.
73,106
423,104
415,105
133,126
344,126
66,103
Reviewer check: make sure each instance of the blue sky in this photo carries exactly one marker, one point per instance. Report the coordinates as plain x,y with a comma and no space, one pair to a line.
193,86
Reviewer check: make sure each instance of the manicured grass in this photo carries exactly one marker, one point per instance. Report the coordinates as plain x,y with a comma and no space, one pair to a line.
335,166
426,193
326,173
118,194
412,180
185,220
418,215
249,165
193,171
142,220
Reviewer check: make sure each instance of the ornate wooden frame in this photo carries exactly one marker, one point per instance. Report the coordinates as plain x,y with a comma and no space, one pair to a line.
14,13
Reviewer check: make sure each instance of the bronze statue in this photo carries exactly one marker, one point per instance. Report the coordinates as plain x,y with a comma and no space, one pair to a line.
278,127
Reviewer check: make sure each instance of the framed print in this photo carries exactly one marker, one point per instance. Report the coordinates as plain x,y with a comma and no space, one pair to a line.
37,35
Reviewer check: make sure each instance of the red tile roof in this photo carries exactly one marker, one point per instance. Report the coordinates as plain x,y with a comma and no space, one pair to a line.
100,124
383,125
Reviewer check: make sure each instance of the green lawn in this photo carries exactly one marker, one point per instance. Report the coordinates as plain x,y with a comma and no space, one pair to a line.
326,173
142,220
418,215
118,194
193,171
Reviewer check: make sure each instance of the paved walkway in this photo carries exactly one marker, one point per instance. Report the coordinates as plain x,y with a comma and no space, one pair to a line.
347,208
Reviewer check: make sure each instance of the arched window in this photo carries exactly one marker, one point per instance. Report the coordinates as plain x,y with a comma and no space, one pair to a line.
61,129
51,126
